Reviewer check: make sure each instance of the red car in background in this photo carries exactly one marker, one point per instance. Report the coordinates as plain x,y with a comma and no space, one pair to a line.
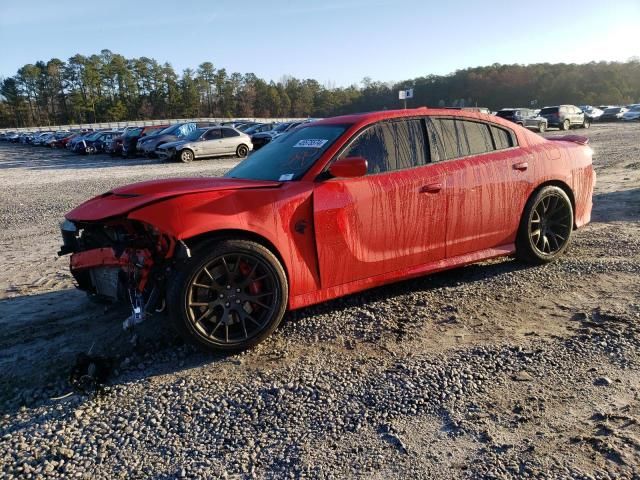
333,207
62,142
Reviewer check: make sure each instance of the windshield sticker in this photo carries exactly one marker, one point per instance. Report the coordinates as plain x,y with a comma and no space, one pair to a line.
311,143
286,177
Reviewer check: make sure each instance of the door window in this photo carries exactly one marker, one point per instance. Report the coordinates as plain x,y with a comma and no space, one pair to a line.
229,132
213,134
389,146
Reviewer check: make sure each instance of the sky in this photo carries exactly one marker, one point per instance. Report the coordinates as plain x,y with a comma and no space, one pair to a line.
337,42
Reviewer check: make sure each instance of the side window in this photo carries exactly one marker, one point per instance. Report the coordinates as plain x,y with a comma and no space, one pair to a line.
389,146
477,136
443,139
502,138
229,132
213,134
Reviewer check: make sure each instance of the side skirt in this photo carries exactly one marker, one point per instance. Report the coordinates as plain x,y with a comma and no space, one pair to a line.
330,293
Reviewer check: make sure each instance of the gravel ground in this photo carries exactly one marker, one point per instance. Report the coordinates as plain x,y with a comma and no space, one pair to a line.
495,370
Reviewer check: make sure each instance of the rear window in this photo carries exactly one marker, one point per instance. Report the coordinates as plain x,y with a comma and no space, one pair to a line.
502,138
477,137
549,110
505,113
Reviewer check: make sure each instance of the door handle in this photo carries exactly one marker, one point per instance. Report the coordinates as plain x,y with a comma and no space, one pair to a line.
431,188
520,166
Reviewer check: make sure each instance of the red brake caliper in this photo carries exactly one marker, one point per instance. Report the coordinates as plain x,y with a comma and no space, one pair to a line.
254,287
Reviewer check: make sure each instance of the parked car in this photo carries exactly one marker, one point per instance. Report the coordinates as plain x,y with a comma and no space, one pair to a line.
40,137
259,127
565,117
62,142
207,142
260,139
633,114
71,144
484,110
95,142
53,139
613,114
524,117
331,208
148,146
593,113
130,139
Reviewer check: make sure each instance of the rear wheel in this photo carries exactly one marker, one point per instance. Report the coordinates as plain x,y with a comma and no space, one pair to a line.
587,123
186,156
229,296
242,151
546,226
566,125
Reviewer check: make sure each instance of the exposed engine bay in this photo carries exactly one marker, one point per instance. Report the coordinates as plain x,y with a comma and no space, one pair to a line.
122,260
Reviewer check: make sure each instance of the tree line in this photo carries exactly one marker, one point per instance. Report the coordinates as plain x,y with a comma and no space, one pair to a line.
110,87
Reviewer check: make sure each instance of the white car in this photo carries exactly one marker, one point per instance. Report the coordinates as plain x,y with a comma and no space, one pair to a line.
207,142
633,114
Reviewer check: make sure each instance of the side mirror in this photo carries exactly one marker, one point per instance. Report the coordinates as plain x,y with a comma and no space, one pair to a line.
349,167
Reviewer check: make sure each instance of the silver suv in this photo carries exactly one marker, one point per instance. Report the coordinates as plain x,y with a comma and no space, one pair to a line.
565,117
207,142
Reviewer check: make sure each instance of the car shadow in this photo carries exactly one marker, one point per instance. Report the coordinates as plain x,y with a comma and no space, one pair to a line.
618,206
42,335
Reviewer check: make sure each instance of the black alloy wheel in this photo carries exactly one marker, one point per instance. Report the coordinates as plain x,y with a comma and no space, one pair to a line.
546,226
231,298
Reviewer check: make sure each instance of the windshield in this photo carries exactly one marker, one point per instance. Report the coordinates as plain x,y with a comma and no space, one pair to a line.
613,110
170,130
290,155
635,108
282,127
93,136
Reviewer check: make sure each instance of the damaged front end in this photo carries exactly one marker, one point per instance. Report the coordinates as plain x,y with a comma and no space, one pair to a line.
122,260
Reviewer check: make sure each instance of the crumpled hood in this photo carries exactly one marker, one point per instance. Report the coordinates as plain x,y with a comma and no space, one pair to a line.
122,200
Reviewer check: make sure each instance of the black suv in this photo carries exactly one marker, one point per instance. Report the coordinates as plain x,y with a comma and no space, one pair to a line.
565,116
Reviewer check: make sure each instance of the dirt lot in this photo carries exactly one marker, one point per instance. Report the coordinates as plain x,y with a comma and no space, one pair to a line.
490,371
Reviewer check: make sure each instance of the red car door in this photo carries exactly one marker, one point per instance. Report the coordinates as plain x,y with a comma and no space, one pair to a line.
390,219
487,186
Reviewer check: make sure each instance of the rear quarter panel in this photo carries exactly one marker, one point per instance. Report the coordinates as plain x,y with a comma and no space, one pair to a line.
566,162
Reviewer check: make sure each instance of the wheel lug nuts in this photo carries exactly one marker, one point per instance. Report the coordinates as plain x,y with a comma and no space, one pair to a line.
228,287
226,304
237,290
238,301
221,296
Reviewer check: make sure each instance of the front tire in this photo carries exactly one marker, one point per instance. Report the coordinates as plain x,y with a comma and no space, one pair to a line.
186,156
546,226
542,127
229,296
587,123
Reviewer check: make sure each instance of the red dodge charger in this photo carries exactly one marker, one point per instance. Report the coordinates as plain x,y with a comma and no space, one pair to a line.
333,207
